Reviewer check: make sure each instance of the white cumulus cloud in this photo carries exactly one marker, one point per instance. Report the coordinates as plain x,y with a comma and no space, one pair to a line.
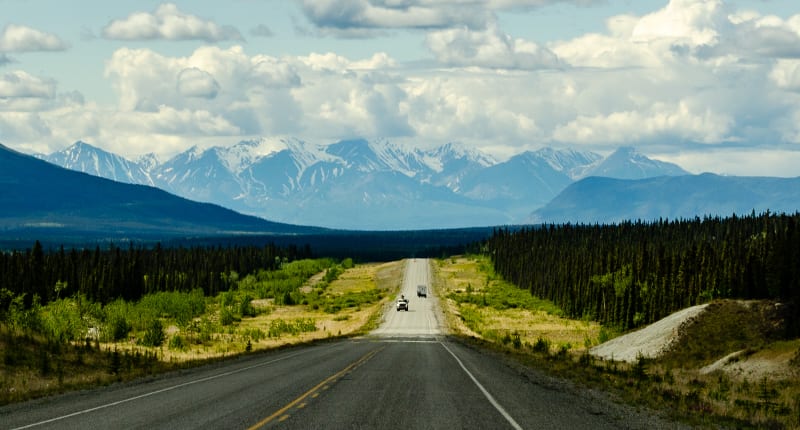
193,82
488,48
786,74
19,84
168,22
680,121
20,38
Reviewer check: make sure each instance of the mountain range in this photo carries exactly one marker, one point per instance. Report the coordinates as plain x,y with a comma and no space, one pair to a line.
365,185
40,196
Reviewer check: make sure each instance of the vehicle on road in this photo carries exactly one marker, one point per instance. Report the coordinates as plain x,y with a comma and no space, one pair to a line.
422,291
402,304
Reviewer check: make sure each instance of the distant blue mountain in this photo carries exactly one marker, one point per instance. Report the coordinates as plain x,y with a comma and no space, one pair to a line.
607,200
627,163
38,194
366,184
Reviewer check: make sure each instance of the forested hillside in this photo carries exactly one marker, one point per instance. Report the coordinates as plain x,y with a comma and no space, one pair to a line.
129,273
633,274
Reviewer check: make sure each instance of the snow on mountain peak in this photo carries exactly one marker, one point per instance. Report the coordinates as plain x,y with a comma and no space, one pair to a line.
458,150
148,161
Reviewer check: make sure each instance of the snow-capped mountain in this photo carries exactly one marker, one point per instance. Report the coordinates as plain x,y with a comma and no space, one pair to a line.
627,163
569,161
363,184
86,158
199,175
452,162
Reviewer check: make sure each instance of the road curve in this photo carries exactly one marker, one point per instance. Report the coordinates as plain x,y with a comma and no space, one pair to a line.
407,374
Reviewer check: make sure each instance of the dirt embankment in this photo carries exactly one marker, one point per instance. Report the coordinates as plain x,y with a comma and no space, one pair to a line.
649,342
741,338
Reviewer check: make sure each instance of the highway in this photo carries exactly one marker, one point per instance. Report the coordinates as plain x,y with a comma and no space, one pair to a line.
406,374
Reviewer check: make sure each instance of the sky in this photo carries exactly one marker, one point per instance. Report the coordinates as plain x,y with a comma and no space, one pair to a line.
711,85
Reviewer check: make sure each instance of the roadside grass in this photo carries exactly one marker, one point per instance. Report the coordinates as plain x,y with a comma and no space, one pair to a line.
196,330
758,386
482,305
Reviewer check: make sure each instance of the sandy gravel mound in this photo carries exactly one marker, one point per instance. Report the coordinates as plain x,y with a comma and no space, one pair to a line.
775,365
650,341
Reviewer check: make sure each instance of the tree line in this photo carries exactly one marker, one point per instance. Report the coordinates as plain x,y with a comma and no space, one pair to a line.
129,273
635,273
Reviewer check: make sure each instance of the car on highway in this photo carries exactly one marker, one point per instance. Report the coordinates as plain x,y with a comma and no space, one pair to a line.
402,304
422,291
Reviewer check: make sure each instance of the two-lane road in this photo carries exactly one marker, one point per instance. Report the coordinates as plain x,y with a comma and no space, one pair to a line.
422,318
406,374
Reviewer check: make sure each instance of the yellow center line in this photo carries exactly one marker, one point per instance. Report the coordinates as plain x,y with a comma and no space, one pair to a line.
322,385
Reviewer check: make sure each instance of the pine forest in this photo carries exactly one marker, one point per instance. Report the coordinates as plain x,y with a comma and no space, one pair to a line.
635,273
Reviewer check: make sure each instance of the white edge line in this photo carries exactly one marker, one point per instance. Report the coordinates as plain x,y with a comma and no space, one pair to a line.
483,390
163,390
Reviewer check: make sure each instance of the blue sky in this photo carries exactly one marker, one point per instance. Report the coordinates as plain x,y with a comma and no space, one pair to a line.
712,85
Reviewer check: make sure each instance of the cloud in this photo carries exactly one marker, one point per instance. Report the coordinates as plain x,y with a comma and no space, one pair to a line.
5,60
363,18
193,82
684,32
480,107
528,4
738,161
145,79
168,23
167,120
19,84
680,121
349,17
24,126
689,75
768,36
786,74
488,48
19,38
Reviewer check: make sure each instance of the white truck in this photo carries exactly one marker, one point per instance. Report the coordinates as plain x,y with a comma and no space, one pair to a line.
402,304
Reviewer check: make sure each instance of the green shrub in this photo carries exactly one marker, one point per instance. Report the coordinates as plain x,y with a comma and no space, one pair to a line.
254,334
61,321
278,327
118,328
154,334
246,308
177,342
541,345
177,305
226,317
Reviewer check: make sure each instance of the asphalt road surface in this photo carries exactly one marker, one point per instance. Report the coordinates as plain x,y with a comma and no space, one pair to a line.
406,374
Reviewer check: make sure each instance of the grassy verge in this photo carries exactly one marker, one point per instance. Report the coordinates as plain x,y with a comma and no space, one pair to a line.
257,315
480,304
756,386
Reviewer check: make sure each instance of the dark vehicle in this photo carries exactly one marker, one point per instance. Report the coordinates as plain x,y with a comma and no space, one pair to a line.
422,291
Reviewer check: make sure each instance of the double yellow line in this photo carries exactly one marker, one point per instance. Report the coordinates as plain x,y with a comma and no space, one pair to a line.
282,411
